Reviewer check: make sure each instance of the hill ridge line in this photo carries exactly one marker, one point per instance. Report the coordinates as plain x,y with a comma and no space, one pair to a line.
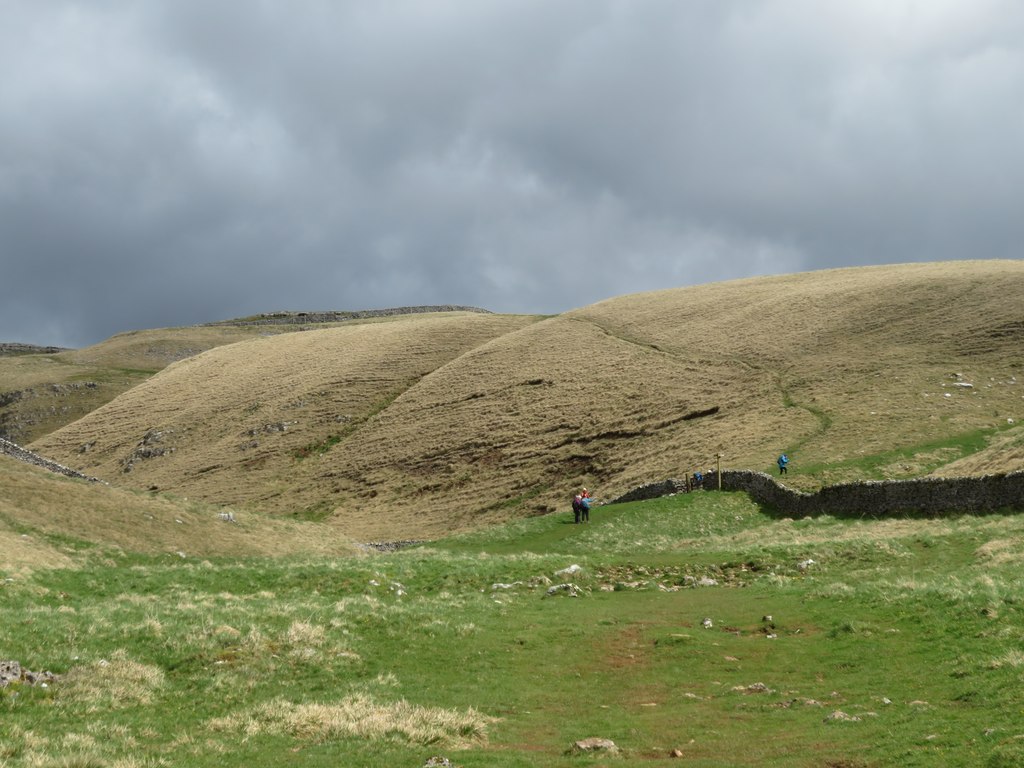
332,316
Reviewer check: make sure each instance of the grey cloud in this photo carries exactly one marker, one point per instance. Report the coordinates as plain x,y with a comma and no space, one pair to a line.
164,163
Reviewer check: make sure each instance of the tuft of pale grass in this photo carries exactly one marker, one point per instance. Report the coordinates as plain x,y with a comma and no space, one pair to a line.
98,749
1013,658
110,684
1001,551
302,633
21,554
360,716
304,640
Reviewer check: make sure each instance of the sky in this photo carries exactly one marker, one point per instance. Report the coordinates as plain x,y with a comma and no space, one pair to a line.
166,163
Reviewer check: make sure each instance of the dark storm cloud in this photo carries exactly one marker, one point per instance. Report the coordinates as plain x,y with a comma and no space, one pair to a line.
165,163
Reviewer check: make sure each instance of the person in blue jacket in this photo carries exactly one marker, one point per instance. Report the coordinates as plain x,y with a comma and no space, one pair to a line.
783,464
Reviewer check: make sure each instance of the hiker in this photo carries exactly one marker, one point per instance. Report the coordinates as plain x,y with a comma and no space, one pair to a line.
783,464
577,507
698,480
585,505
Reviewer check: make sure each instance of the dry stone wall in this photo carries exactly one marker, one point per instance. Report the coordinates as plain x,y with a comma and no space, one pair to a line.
925,496
16,451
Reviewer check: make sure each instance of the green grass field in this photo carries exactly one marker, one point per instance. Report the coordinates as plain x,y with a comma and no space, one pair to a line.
910,629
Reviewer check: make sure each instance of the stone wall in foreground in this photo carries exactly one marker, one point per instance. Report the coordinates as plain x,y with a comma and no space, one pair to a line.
926,496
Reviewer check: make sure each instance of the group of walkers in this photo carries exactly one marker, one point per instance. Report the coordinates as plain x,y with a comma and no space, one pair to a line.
581,507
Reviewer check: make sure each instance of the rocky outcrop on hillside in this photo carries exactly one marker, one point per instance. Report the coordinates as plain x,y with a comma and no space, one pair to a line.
38,405
16,451
13,348
302,318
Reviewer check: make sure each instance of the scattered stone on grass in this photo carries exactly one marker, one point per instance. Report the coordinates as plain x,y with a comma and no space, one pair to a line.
572,570
569,590
753,688
439,762
840,716
499,585
593,745
12,672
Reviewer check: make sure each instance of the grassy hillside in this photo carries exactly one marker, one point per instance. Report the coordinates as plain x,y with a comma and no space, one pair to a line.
238,423
881,358
42,392
423,425
46,520
45,388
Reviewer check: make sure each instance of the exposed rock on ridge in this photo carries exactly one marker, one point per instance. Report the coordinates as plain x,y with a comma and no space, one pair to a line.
298,318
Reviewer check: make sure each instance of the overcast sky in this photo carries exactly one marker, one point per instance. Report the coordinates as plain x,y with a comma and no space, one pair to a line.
176,162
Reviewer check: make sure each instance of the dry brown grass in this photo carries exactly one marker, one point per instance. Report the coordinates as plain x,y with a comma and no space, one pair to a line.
21,553
432,424
45,503
360,716
1005,452
60,388
110,684
234,420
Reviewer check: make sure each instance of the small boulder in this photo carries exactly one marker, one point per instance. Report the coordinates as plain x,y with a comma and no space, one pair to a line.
594,745
840,716
569,590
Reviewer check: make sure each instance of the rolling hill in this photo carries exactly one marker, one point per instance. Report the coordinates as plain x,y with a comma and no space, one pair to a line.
426,424
43,389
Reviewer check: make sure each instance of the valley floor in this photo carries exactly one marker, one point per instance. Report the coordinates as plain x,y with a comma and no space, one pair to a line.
702,626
